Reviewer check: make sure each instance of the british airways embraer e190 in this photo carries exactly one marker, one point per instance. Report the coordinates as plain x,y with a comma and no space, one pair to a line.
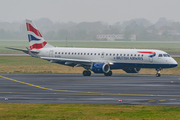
97,60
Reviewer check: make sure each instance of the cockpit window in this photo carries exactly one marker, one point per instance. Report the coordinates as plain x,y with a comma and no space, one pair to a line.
166,55
160,55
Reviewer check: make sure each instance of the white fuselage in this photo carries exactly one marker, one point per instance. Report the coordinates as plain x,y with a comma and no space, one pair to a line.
129,57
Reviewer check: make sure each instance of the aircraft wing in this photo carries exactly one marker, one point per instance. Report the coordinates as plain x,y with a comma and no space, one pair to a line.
76,61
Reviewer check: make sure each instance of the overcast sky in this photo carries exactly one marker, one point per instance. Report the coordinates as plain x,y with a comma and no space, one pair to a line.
110,11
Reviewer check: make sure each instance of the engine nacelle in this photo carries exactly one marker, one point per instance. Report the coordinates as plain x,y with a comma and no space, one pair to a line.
100,68
132,70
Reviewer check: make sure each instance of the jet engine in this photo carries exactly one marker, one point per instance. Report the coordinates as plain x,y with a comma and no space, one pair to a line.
132,70
100,68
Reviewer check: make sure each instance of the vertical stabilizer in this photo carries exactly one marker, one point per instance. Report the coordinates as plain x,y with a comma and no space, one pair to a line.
36,40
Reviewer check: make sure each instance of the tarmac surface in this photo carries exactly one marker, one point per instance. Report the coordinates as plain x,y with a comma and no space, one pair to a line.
95,89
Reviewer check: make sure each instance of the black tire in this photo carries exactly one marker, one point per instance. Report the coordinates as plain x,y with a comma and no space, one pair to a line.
89,73
105,74
108,74
158,75
86,73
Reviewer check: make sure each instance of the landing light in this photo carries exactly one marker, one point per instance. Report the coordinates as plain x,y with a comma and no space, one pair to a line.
111,63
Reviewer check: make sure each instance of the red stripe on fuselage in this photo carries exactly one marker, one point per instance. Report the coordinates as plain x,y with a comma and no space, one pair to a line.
38,45
148,52
32,29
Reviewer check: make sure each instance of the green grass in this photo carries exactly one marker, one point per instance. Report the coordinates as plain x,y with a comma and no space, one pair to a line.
14,111
27,64
165,46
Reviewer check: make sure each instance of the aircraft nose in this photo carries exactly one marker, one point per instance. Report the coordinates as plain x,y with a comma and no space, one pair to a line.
174,63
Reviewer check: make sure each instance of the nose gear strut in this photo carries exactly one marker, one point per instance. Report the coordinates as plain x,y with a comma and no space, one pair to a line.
158,74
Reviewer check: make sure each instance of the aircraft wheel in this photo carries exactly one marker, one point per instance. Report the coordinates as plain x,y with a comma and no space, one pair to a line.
108,74
89,73
158,75
86,73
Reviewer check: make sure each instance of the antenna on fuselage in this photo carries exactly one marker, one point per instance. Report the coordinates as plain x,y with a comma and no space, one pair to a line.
66,41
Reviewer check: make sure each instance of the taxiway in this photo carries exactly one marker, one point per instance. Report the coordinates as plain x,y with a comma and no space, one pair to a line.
96,89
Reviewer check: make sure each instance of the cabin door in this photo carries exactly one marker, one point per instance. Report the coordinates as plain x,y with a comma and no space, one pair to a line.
151,59
51,53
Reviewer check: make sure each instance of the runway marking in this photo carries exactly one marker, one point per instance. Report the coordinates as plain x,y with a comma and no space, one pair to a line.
151,100
83,92
162,100
172,99
38,86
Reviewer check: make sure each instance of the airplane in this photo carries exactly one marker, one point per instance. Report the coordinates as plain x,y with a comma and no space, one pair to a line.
97,60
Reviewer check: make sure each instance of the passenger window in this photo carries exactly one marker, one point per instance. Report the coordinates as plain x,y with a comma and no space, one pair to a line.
107,54
160,55
127,54
65,52
142,55
131,54
113,54
75,53
98,53
94,53
84,53
134,54
120,54
117,54
124,54
62,52
87,53
81,53
55,52
78,53
59,52
72,53
138,54
91,53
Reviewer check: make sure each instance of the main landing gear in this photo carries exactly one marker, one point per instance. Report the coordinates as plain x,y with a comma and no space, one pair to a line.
158,74
108,74
86,73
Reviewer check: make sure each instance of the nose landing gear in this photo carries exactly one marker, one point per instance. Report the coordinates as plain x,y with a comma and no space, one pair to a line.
158,74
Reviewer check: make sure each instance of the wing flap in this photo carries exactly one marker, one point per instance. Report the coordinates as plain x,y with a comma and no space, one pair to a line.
67,59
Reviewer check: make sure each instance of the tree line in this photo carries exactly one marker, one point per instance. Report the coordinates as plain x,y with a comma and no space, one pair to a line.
162,30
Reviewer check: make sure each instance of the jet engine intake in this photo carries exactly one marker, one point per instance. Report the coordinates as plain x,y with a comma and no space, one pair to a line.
100,68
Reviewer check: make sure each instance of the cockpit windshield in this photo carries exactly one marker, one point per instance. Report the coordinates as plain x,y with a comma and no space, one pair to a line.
160,55
166,55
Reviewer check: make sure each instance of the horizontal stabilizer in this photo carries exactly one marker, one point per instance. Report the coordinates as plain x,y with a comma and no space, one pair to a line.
23,50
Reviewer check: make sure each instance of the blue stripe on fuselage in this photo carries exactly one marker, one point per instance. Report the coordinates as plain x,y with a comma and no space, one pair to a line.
140,65
133,65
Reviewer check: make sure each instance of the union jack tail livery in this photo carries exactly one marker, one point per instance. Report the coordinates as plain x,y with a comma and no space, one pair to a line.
36,40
